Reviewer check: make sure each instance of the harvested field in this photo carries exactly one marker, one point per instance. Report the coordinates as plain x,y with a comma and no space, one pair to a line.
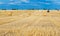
29,23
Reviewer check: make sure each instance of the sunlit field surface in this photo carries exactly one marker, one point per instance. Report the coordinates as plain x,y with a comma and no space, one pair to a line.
29,23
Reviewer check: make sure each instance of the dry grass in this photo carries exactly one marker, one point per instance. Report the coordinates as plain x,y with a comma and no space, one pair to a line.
29,23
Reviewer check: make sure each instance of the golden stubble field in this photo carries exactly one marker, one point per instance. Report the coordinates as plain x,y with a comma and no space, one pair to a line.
29,23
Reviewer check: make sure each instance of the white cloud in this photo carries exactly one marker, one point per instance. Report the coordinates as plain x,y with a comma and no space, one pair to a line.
18,2
1,3
11,3
14,3
26,1
11,0
57,3
47,3
43,3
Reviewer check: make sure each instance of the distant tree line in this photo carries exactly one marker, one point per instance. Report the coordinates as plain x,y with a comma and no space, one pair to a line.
31,9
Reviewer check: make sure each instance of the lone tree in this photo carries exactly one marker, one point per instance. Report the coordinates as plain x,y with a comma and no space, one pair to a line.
48,11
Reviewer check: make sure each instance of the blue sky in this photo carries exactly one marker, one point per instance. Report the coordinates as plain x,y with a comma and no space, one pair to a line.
29,4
